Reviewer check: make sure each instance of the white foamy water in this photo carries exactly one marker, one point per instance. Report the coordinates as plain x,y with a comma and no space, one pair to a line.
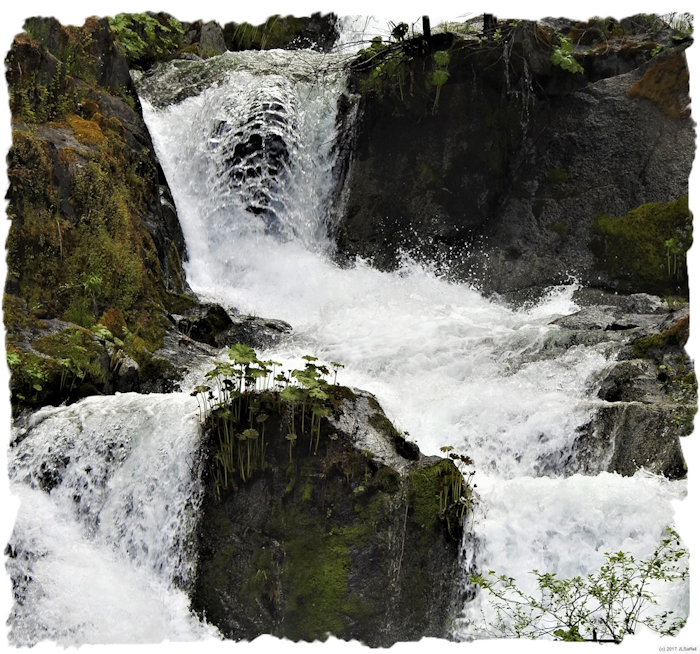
105,554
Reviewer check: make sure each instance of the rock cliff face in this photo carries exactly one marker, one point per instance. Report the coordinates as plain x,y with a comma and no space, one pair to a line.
346,536
96,300
95,241
515,173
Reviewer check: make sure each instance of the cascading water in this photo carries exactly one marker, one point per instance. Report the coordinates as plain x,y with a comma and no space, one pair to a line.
448,366
247,143
104,556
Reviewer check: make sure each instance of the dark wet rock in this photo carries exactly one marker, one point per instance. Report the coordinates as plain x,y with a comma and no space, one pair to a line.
211,40
345,541
501,179
213,325
650,398
630,436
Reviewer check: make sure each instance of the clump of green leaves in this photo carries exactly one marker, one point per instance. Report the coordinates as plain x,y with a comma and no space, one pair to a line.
233,402
440,74
456,493
604,606
563,56
143,37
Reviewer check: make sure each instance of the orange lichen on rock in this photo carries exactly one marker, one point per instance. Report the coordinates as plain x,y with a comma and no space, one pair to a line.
667,85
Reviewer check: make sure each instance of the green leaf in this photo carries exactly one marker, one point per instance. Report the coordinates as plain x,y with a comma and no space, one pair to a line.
242,354
292,394
440,77
442,58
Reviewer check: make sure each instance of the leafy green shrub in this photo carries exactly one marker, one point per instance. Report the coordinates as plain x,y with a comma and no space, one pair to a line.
143,38
604,606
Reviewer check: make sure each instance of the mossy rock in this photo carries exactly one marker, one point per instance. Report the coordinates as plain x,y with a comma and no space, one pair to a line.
652,346
645,250
325,541
62,366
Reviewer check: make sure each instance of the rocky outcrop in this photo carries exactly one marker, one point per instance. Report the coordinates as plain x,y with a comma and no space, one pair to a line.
211,40
344,537
318,32
498,164
95,239
649,392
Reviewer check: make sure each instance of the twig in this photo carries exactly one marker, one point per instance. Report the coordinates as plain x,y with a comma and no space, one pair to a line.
403,543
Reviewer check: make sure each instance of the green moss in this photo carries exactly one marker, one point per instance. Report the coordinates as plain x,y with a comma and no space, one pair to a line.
388,480
175,265
666,84
16,314
433,506
423,499
177,303
30,171
675,336
635,249
557,176
382,424
76,350
316,575
339,394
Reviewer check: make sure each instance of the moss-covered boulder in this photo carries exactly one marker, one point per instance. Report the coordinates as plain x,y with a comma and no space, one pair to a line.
645,250
345,535
94,230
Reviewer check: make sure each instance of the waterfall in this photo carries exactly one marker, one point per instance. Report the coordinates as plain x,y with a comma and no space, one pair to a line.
449,366
109,491
109,487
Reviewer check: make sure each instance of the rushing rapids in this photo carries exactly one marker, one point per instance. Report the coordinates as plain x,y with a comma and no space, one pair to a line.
247,143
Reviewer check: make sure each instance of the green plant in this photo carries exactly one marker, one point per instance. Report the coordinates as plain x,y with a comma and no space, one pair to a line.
675,252
142,36
231,407
562,56
440,74
398,32
682,23
604,606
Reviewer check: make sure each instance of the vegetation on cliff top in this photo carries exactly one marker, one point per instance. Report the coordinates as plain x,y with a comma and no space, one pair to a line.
147,38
